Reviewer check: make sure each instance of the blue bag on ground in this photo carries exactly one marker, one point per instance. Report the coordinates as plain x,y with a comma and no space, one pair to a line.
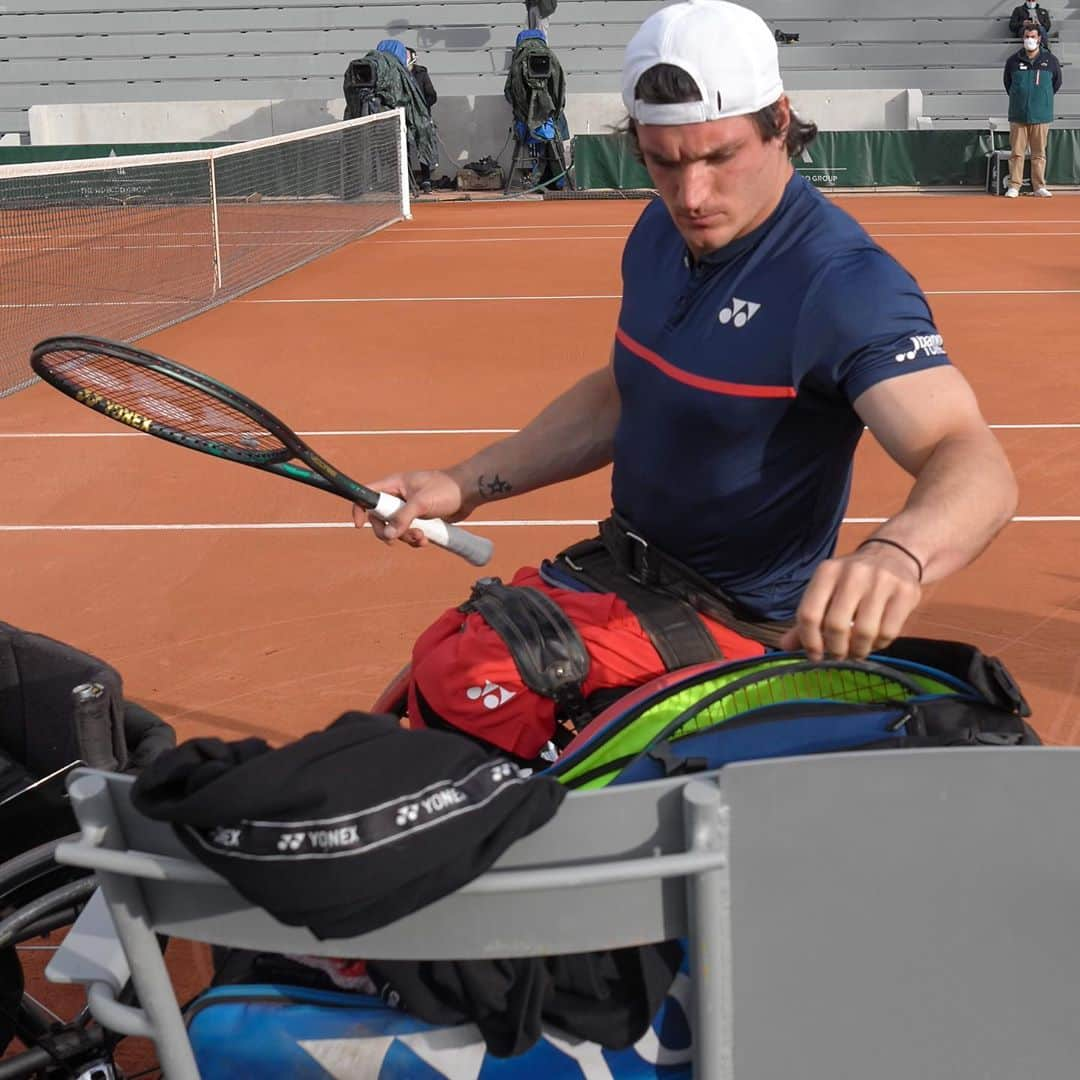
306,1034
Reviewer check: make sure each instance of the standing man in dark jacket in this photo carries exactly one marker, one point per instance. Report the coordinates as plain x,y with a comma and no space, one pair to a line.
421,78
1032,78
1029,11
537,13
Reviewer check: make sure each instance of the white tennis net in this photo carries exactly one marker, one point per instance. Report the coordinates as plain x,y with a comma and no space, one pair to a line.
121,247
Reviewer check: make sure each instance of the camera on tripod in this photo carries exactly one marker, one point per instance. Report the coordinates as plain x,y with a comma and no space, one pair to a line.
538,68
785,38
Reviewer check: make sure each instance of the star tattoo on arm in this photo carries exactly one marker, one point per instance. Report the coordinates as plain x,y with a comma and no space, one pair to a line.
495,486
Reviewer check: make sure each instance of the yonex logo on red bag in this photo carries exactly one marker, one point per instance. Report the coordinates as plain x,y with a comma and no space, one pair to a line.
491,694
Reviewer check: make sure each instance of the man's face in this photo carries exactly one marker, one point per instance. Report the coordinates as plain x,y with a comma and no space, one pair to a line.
718,179
1031,41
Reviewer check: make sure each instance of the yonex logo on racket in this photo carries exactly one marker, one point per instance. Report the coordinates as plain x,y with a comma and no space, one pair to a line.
739,312
111,408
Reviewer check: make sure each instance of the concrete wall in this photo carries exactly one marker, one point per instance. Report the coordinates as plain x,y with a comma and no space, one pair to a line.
470,127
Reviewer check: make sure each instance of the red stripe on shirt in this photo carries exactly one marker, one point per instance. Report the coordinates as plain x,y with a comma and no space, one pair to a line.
713,386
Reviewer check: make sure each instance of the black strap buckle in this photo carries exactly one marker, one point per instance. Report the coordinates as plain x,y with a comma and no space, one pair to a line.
641,569
1008,686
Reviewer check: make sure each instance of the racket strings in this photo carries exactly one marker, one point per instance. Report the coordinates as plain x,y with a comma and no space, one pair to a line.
165,401
844,686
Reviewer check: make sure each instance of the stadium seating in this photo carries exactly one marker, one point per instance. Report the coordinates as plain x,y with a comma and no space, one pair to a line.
70,51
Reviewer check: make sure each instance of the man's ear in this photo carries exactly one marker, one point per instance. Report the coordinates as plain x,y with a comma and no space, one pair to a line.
783,116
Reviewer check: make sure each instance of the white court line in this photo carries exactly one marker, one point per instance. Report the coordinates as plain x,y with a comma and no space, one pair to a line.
469,299
609,239
271,526
561,239
592,296
468,240
977,221
545,226
626,226
982,235
397,432
429,299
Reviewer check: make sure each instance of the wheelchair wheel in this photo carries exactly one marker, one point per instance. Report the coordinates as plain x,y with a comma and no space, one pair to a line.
39,898
394,699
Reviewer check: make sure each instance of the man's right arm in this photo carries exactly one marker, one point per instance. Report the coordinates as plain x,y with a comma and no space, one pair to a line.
573,436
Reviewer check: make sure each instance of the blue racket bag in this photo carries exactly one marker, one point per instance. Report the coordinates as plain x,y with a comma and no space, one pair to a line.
918,693
307,1034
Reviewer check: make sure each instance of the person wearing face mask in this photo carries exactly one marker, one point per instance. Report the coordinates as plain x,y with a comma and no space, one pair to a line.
1032,78
1030,11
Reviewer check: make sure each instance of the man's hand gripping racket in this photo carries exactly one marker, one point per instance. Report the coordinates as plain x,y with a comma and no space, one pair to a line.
170,401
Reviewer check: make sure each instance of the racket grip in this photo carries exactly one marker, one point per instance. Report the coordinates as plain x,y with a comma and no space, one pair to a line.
472,548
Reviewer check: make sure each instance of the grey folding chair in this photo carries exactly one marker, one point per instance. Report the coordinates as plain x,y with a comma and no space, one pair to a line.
889,914
630,866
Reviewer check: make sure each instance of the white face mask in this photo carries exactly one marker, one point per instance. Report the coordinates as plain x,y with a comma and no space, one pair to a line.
1031,44
1031,7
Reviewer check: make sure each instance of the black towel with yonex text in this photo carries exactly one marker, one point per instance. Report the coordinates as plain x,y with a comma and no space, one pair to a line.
350,828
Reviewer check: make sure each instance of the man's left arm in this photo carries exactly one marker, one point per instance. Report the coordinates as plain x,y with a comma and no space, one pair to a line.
1055,71
964,493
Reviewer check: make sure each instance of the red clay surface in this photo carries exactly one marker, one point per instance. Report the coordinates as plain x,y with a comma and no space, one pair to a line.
274,632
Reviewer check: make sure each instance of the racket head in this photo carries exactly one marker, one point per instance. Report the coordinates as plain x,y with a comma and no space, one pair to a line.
163,398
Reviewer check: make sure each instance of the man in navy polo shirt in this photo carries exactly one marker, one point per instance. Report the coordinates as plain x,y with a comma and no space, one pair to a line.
761,329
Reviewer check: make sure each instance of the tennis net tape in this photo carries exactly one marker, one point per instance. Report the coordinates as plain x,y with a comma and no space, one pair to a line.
120,247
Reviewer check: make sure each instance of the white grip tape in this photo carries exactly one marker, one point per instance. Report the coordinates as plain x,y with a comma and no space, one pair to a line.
474,549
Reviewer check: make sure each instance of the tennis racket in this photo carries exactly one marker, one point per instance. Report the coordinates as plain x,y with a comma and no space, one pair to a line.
183,406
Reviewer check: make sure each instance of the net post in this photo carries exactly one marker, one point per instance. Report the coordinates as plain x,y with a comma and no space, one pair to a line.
214,225
403,154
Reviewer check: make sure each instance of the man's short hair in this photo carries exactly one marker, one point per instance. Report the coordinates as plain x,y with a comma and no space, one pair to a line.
1031,24
665,84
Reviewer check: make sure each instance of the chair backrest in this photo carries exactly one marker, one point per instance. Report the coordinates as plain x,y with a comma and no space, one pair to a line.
906,914
887,914
612,869
503,914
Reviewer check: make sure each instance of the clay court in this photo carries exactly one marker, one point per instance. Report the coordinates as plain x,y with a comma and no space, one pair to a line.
236,604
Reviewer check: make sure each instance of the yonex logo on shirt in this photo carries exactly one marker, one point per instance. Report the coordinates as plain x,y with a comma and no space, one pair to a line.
740,312
928,344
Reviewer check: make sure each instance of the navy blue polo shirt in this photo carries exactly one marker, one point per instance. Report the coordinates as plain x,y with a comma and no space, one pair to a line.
737,376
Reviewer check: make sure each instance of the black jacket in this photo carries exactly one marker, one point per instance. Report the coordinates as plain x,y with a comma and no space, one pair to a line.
423,82
1020,16
349,828
545,8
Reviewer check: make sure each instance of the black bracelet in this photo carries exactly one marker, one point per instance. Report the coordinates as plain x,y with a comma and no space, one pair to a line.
899,547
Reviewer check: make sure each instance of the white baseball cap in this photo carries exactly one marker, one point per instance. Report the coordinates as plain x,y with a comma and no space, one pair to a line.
726,49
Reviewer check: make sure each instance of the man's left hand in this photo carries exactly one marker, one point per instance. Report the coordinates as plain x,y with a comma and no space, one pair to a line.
855,604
